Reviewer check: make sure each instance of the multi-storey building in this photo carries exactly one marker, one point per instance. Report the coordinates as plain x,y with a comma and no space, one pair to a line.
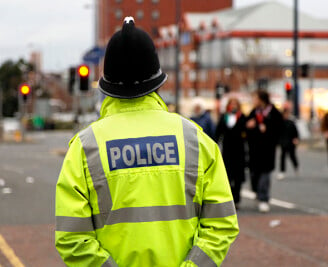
243,49
149,14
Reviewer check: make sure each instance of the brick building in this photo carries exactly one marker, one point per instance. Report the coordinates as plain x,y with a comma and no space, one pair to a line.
244,48
149,14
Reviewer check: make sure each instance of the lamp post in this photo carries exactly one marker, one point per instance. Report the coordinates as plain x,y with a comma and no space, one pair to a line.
177,53
295,67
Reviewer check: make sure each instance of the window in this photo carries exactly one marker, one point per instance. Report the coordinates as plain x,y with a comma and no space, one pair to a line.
118,1
193,56
118,13
139,1
155,14
155,1
139,14
192,76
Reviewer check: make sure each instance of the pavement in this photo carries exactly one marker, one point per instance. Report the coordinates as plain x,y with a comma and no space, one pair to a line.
280,240
264,240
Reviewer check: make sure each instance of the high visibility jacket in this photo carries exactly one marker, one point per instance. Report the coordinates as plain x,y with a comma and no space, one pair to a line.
142,187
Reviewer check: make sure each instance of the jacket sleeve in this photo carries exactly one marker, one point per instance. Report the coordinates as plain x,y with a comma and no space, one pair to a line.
218,225
75,235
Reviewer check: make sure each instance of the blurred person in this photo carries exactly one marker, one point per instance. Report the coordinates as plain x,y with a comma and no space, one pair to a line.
142,187
231,131
289,139
324,129
202,117
263,130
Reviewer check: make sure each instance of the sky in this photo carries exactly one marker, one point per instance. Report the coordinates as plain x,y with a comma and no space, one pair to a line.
63,30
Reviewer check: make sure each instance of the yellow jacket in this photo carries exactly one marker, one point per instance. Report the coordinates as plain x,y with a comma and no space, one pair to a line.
142,187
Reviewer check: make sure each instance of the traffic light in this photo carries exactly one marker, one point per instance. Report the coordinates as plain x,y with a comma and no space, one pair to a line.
71,80
83,72
25,91
288,89
305,70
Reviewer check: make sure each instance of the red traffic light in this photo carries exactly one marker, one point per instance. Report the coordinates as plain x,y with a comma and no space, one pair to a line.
83,71
288,86
25,89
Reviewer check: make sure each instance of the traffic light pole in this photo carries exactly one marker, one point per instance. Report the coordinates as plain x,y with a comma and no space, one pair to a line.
21,106
177,53
1,115
295,68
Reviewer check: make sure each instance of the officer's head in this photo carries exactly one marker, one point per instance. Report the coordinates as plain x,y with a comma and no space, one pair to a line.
131,66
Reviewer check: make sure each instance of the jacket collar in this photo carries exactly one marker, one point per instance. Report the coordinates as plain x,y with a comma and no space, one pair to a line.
113,105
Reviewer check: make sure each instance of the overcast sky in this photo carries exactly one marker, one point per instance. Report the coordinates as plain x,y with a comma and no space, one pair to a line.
63,29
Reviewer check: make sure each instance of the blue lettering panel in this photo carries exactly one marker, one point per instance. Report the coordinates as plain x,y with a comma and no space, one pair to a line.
142,152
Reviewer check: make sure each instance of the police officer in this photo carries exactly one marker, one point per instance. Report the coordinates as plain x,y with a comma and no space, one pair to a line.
142,187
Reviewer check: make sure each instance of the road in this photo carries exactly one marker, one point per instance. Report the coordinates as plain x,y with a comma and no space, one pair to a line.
292,234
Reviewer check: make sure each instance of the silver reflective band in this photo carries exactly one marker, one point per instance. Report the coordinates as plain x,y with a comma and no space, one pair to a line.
191,159
96,170
74,224
147,214
218,210
128,215
200,258
109,263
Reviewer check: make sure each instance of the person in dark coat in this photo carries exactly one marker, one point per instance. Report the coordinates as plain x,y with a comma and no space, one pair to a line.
324,128
289,139
202,117
231,132
263,130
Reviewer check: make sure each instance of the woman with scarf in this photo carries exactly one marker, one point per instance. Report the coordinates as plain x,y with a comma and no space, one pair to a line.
264,125
230,132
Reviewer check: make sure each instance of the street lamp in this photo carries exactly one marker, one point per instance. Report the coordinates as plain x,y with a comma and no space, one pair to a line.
177,53
295,67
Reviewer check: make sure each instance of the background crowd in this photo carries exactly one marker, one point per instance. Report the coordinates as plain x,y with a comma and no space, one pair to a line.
250,141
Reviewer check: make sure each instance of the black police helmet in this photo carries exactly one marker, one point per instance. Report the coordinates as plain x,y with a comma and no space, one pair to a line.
131,66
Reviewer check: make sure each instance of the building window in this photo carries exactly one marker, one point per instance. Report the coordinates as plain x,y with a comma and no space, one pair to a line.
118,13
118,1
193,56
192,76
140,14
139,1
203,75
155,14
155,1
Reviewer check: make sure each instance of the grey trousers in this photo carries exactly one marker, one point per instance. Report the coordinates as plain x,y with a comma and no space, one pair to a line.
263,187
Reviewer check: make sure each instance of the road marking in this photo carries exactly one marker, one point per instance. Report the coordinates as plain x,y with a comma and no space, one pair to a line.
12,169
9,253
7,190
276,202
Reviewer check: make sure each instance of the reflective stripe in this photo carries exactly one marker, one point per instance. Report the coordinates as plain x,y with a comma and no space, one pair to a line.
109,263
148,214
191,161
74,224
96,170
200,258
218,210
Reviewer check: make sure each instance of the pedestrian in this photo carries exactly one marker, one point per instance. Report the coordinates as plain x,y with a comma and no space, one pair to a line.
231,132
324,129
202,117
263,131
289,139
142,186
